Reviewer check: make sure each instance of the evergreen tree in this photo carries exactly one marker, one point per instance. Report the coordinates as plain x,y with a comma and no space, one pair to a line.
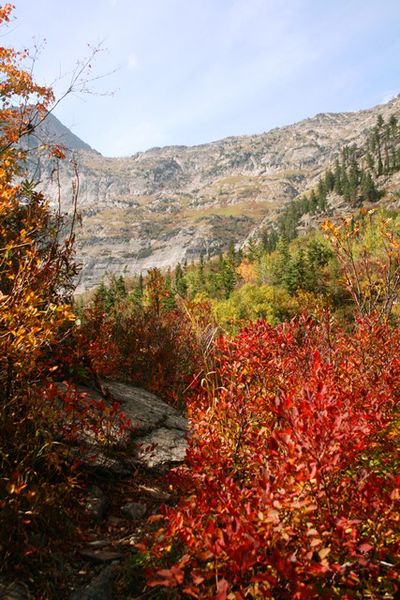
329,180
136,293
269,240
180,284
314,201
370,161
168,300
253,250
202,278
282,264
232,253
368,188
228,274
101,296
338,178
379,169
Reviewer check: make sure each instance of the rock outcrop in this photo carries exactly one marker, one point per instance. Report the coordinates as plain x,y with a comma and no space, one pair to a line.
156,441
159,429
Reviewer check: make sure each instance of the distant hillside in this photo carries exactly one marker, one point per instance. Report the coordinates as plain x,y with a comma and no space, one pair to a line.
54,132
171,204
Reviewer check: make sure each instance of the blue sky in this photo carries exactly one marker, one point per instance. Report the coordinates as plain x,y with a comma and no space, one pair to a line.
193,71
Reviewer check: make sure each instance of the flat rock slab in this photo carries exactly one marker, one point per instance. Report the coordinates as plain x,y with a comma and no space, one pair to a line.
144,409
134,510
96,502
101,556
161,448
158,430
14,591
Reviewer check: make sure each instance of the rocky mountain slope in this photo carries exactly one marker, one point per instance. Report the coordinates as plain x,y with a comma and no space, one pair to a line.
170,204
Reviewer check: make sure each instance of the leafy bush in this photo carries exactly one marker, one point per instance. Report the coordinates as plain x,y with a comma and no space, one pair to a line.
290,488
251,302
153,341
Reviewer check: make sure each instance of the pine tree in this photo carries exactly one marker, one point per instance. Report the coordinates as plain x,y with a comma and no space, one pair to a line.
370,161
168,300
228,277
202,278
314,201
253,250
232,253
283,262
329,180
269,240
180,284
338,178
368,188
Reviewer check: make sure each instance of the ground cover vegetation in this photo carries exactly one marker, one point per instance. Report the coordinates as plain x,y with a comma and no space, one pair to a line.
291,484
285,355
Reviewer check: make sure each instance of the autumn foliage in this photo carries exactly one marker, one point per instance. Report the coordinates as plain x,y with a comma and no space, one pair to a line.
40,417
157,342
290,489
367,248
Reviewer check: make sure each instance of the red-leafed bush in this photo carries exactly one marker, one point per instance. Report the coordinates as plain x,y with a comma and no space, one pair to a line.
290,486
153,346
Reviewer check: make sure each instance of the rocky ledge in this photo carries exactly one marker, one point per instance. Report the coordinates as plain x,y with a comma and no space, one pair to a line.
157,439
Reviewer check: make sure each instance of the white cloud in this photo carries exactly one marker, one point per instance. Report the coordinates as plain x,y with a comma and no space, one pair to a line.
141,136
132,62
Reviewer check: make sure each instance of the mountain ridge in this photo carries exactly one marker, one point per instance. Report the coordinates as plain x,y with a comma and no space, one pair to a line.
167,205
55,124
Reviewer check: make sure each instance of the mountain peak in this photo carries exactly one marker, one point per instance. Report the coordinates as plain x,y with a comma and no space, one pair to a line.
52,131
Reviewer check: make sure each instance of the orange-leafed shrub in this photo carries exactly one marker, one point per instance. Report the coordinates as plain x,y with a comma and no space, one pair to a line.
290,488
34,269
38,419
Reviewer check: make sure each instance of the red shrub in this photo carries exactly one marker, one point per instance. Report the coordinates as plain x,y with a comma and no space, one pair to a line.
289,490
158,349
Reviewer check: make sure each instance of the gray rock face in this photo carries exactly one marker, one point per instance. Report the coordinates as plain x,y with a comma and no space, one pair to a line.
97,503
52,131
14,591
161,448
165,205
134,510
158,432
146,411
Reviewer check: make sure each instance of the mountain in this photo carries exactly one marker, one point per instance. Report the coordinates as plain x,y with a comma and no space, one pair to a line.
167,205
53,131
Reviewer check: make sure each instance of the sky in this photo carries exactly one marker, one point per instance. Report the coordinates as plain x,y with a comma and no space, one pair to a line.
192,71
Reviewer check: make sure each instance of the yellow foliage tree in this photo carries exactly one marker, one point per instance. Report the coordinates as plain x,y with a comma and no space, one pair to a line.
368,251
